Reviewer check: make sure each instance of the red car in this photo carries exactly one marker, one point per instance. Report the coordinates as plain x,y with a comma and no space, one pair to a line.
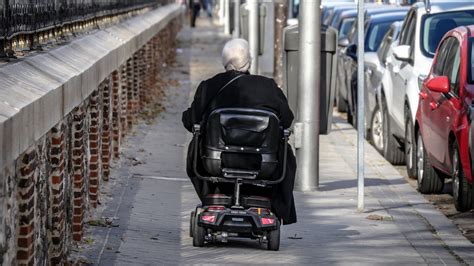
444,116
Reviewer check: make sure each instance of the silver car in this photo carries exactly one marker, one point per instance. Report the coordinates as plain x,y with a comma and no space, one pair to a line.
375,116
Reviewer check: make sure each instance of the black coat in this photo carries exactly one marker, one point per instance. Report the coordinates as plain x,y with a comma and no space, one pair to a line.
248,91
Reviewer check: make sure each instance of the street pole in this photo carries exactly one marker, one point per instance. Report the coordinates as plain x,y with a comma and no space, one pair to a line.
221,12
360,106
227,17
237,19
253,34
309,95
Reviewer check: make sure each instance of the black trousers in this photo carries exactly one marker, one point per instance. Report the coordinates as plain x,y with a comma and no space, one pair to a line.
194,14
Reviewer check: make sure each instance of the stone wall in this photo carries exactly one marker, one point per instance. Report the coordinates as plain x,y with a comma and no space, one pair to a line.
48,188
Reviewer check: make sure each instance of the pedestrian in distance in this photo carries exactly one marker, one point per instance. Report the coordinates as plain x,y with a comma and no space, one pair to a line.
208,7
242,90
195,7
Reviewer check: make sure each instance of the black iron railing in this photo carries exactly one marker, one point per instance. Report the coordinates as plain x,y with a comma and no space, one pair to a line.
30,17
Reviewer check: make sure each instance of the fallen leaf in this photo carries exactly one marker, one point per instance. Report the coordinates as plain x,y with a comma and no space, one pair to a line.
376,217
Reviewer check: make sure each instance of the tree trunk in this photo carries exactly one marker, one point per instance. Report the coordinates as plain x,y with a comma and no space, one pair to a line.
281,15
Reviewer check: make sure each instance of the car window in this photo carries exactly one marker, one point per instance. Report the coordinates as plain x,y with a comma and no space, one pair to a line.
346,27
451,66
405,28
441,58
375,35
471,57
410,37
385,45
435,26
352,31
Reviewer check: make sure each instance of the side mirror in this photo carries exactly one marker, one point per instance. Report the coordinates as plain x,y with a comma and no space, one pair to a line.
351,51
402,53
343,42
371,58
438,84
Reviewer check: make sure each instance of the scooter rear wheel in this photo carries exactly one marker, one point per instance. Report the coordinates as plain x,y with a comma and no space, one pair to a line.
198,234
191,224
273,238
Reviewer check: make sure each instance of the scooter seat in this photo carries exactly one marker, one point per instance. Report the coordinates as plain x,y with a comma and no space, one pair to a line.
256,201
217,199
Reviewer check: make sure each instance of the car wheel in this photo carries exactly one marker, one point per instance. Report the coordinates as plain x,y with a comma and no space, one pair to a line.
377,131
341,103
462,192
199,233
410,146
350,116
392,152
273,238
428,180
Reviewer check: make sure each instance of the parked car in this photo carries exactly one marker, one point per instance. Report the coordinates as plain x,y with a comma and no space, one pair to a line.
419,37
335,12
343,26
345,62
444,116
328,10
376,28
376,119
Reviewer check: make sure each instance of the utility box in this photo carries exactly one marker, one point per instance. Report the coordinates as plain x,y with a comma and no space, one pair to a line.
244,25
328,72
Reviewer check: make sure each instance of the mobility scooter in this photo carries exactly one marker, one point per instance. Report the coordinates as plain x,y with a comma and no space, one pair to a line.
234,135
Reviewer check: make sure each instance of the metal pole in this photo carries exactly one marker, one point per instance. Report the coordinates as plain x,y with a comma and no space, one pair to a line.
360,106
221,12
227,17
237,19
290,8
309,94
253,34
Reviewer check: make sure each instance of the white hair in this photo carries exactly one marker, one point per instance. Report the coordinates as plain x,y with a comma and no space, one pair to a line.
236,55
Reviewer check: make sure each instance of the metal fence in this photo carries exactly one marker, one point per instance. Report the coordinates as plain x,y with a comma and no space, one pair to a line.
29,16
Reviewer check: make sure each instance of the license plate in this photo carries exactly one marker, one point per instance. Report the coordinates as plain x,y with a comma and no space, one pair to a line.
237,219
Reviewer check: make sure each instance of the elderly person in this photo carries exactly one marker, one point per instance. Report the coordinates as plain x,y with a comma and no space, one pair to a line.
237,88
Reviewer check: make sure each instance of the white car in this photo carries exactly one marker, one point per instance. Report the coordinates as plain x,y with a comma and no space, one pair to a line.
410,61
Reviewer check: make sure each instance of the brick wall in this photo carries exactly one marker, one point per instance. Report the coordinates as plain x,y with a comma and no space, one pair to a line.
48,190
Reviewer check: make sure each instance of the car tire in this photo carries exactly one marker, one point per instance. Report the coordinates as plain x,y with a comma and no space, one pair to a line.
428,180
273,238
392,151
410,146
191,224
199,233
350,117
376,136
341,103
462,192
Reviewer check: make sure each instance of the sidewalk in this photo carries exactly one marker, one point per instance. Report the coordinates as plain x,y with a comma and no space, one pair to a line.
150,198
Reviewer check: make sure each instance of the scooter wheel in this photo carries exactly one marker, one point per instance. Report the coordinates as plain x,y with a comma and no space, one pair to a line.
191,224
198,234
273,238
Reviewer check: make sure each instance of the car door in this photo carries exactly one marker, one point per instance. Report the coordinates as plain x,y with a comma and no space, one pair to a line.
429,116
446,110
401,70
